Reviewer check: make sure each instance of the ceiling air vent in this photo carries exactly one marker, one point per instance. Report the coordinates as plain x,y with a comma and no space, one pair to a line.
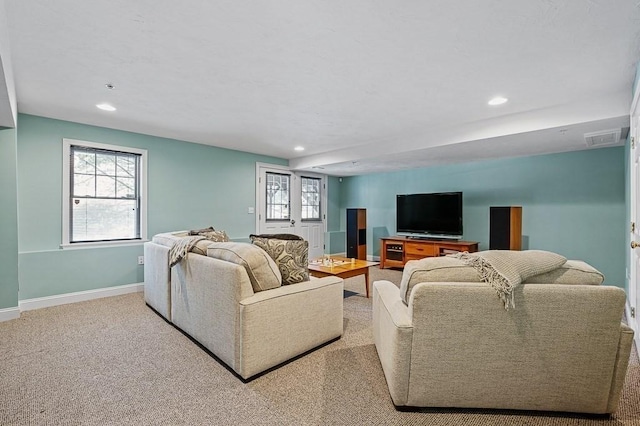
602,138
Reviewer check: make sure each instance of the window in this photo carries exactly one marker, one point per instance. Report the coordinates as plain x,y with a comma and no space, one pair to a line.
104,194
278,196
310,198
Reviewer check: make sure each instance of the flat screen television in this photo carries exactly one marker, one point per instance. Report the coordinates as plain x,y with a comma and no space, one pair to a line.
433,215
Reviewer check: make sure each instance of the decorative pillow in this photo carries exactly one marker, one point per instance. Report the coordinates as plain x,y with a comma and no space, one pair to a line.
277,236
435,269
217,236
291,256
262,270
199,231
572,272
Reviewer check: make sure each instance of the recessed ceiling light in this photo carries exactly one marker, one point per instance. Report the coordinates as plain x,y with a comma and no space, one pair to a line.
299,148
498,100
106,107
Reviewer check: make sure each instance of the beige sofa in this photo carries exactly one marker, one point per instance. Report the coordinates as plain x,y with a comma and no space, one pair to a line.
213,301
453,344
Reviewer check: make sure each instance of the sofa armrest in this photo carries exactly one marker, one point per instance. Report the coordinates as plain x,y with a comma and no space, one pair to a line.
620,368
393,334
204,303
157,278
279,324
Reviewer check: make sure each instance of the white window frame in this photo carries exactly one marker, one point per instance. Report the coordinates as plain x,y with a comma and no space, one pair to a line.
320,181
66,190
289,177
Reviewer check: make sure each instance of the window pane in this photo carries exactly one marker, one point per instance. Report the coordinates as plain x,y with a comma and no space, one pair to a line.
126,187
84,162
98,219
106,164
125,165
310,198
105,186
277,196
84,185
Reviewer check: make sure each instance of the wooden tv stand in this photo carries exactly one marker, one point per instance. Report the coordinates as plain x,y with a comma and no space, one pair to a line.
396,251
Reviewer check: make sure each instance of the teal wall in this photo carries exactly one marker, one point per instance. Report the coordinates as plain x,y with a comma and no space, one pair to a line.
333,201
335,238
8,220
573,203
189,186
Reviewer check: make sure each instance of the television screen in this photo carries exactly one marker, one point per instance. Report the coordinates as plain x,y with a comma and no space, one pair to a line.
435,214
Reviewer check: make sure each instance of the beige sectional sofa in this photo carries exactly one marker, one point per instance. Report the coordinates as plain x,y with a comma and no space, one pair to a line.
214,302
453,344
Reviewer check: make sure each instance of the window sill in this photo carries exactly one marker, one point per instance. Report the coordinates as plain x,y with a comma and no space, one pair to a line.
102,244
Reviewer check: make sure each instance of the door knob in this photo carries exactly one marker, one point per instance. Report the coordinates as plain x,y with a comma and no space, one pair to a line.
634,244
293,222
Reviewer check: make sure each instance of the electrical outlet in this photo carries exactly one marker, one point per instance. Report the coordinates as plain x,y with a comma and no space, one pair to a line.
140,260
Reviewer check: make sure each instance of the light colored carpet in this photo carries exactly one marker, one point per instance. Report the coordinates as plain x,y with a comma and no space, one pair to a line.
114,361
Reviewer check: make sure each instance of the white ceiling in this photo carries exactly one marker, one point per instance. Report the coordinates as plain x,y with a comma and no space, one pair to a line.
364,86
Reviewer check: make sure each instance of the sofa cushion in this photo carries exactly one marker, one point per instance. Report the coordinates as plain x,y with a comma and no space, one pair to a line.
435,269
262,270
523,267
201,247
572,272
291,256
505,269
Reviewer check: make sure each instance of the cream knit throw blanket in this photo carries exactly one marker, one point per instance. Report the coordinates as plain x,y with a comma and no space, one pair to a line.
505,269
183,246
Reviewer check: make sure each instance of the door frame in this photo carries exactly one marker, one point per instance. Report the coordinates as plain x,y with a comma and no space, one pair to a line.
259,197
634,212
296,215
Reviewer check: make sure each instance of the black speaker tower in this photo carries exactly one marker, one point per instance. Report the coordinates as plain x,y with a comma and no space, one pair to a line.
505,228
357,233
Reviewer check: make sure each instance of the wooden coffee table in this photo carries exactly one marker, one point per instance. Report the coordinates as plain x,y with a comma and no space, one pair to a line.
342,267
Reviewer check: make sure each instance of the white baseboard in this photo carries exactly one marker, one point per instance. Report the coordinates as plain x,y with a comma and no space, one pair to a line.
9,314
79,296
